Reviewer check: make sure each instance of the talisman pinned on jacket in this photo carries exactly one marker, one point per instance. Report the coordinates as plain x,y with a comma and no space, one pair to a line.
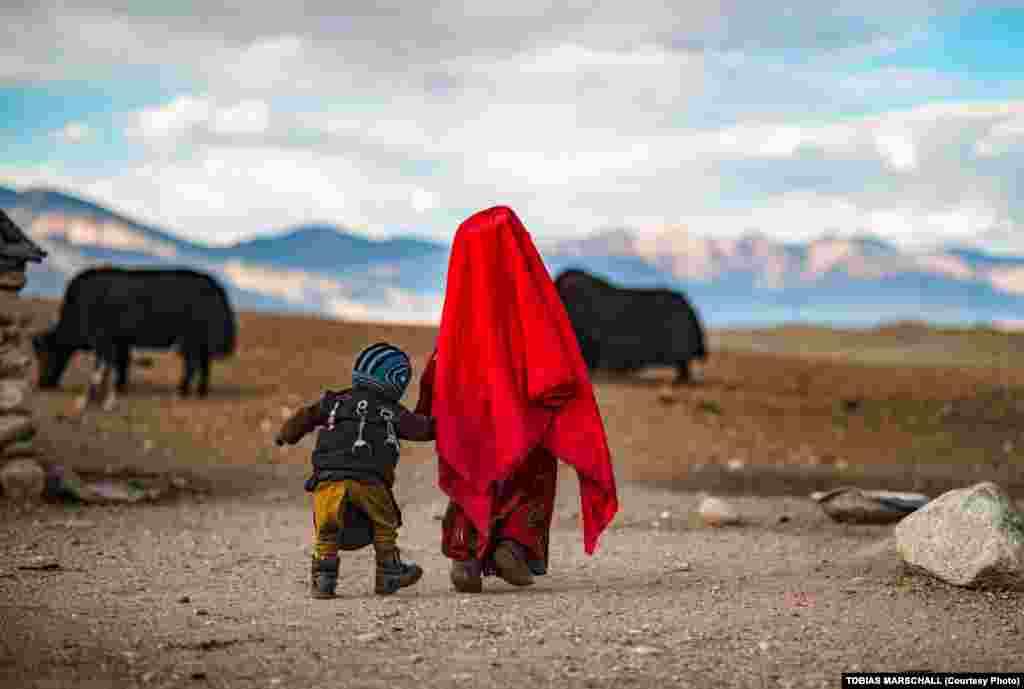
359,439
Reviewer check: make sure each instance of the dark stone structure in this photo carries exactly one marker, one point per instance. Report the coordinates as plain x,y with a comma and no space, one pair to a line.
16,425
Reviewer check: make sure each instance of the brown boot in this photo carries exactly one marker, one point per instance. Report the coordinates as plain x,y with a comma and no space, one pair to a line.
510,561
393,574
467,576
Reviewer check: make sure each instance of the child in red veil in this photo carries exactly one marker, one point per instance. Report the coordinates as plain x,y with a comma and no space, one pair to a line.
510,392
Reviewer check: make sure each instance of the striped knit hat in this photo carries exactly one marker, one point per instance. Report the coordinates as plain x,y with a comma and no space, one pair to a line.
384,368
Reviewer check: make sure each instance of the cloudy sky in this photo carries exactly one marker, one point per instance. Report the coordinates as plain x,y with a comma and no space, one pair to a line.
900,119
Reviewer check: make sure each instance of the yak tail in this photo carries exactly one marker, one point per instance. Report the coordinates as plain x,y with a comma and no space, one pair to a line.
702,352
224,342
228,341
224,335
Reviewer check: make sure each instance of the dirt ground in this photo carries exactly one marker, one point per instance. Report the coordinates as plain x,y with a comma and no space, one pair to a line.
208,586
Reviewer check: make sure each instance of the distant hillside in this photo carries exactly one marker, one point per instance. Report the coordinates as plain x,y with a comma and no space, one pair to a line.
749,280
44,202
323,248
8,197
843,281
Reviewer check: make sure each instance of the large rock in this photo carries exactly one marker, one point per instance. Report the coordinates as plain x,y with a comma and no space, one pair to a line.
14,363
12,280
22,479
14,396
718,512
967,537
16,429
24,448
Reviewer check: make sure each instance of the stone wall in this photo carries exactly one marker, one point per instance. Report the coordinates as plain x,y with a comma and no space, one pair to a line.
16,423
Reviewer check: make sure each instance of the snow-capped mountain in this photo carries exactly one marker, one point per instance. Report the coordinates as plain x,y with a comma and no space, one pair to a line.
752,279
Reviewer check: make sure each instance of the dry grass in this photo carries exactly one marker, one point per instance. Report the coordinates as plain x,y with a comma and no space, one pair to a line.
790,396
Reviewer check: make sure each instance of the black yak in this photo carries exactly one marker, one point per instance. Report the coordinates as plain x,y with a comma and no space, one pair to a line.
627,329
111,310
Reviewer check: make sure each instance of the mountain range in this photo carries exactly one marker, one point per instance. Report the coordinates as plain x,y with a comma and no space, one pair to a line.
331,271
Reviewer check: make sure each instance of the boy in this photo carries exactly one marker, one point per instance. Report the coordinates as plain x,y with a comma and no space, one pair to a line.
354,464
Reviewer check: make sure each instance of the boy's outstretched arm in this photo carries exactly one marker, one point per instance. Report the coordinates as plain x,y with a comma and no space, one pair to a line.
304,421
413,426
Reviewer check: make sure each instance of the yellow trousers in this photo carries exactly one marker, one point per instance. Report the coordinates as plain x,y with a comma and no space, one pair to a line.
329,516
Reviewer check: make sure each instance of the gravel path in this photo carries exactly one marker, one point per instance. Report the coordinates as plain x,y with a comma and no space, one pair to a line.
211,591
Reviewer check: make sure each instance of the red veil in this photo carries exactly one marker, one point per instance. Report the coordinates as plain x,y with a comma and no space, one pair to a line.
507,376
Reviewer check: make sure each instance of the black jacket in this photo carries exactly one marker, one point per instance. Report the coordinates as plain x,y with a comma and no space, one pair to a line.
338,454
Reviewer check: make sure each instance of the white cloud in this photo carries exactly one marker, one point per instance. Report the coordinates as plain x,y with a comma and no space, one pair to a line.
407,134
389,35
233,191
423,200
170,123
571,58
265,64
224,193
748,140
898,150
247,117
803,217
191,119
1003,138
550,168
48,175
901,175
644,113
74,133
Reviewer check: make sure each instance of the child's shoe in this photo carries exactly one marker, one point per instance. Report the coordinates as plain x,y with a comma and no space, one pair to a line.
467,576
324,579
393,574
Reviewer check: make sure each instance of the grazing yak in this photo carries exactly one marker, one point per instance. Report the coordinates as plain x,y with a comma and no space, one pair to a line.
627,329
111,310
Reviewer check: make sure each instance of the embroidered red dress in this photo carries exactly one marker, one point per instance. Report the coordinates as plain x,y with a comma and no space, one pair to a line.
509,391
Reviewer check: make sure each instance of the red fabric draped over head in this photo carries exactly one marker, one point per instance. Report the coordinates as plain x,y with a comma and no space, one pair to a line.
507,376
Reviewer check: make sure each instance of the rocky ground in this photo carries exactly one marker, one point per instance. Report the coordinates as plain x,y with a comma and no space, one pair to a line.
207,587
211,590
